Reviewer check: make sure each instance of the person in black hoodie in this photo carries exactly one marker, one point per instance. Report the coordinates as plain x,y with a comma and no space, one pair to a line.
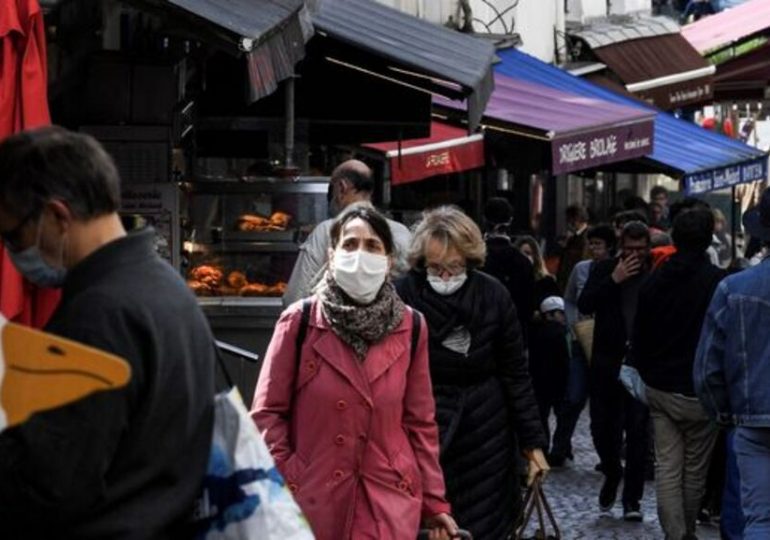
611,294
485,403
671,308
506,263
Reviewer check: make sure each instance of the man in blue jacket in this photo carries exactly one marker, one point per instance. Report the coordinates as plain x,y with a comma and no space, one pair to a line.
732,369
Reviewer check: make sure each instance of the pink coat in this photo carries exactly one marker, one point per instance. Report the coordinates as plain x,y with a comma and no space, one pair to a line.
356,441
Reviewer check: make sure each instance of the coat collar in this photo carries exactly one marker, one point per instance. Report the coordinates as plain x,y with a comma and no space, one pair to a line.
380,357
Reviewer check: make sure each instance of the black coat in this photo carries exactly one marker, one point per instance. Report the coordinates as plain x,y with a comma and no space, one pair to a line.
513,269
672,305
484,399
549,360
603,298
127,463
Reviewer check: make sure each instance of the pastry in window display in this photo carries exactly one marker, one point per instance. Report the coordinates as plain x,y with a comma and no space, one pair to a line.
278,221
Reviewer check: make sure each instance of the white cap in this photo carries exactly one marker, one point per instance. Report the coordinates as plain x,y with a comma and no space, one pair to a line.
552,303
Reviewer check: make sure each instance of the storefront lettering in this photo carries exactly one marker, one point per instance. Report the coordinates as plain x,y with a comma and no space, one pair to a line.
572,152
605,146
754,171
700,186
680,96
437,160
635,144
727,177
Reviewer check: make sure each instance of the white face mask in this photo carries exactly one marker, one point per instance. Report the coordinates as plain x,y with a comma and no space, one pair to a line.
451,285
360,273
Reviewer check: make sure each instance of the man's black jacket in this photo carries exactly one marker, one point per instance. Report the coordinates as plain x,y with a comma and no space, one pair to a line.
128,463
603,298
672,305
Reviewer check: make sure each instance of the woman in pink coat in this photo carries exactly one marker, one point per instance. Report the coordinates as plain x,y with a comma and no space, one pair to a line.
350,420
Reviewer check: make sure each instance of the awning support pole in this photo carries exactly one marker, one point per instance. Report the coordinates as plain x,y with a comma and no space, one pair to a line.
734,220
289,142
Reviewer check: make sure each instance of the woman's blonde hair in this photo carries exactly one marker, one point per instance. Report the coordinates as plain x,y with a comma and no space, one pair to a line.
452,226
538,262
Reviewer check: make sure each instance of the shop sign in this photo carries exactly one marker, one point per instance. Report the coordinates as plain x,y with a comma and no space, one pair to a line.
584,151
156,206
726,177
674,96
456,156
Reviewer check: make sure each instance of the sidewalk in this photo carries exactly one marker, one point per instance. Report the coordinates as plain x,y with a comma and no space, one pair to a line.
573,492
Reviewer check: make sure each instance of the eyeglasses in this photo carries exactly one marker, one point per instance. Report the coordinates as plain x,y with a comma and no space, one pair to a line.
452,269
11,238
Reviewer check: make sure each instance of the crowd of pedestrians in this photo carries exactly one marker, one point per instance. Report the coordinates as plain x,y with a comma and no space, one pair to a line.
412,383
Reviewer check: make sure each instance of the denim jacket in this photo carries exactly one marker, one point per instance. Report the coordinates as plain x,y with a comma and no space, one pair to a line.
732,363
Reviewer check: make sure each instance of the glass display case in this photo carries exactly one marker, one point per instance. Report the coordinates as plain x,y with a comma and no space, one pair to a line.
242,236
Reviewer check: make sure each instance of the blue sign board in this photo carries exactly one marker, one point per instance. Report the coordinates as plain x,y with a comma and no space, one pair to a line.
751,171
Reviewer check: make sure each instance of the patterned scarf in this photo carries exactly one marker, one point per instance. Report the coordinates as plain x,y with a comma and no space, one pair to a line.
360,326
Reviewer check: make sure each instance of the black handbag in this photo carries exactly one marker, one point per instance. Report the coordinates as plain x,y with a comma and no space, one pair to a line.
536,504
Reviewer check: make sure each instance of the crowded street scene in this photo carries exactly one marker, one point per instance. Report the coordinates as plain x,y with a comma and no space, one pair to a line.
385,269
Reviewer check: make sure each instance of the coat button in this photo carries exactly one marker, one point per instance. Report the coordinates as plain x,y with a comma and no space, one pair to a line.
403,485
339,440
311,366
362,437
338,474
342,405
292,487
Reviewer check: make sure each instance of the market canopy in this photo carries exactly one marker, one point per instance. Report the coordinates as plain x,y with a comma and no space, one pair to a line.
651,59
730,27
745,77
704,160
271,33
448,150
421,54
582,132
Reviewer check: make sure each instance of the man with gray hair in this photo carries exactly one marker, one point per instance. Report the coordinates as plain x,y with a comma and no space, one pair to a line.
351,183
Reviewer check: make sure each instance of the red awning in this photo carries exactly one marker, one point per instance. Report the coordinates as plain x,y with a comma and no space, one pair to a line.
448,150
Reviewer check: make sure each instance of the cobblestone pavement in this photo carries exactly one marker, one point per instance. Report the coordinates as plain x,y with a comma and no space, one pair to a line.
573,492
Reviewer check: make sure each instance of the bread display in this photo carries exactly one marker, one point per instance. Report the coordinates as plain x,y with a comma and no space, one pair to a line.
209,280
278,221
237,280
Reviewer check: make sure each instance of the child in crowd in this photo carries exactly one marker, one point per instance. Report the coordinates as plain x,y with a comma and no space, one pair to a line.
549,354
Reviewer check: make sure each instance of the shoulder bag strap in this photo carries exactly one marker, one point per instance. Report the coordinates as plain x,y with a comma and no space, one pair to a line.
416,323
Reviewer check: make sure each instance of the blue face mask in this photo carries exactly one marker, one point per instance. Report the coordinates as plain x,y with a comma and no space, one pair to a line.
31,265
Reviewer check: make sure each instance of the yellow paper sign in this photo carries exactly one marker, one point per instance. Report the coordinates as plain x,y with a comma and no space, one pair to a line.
40,371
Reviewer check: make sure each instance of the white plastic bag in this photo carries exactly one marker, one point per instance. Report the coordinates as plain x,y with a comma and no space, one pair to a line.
244,497
633,383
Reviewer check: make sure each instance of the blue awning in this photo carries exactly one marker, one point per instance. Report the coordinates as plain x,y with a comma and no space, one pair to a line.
705,160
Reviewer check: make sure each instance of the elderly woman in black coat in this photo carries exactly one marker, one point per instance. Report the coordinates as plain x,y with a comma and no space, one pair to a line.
484,397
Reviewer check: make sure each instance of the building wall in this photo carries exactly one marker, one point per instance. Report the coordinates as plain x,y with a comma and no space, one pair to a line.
533,20
585,10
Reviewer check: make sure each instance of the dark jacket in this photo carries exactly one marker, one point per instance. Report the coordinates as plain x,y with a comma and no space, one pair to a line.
670,312
603,298
549,359
128,463
514,270
574,252
544,287
483,398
